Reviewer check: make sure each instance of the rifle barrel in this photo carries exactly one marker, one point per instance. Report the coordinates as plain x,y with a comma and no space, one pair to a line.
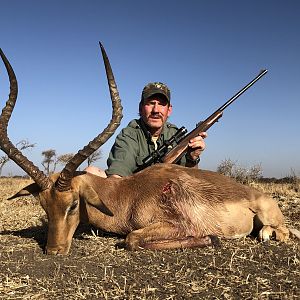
244,89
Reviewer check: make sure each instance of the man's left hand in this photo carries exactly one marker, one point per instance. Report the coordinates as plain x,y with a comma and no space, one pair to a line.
197,145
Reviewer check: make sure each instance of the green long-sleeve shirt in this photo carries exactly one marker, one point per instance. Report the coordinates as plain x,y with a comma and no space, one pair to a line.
132,145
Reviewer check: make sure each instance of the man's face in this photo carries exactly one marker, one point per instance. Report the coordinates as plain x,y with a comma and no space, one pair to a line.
155,111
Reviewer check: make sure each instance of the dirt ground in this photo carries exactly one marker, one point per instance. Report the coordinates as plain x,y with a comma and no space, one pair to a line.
96,269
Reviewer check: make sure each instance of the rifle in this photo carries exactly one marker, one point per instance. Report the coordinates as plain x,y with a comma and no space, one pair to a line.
182,140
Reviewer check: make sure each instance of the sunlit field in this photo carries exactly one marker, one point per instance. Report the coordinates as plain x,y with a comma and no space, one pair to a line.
96,269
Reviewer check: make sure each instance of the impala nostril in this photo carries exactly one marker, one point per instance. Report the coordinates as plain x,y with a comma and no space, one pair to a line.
56,250
51,252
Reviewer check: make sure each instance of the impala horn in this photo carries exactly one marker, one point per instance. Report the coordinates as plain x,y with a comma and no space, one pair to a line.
5,144
64,181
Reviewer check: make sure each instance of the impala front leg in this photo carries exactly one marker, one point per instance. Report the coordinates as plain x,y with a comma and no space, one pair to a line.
163,235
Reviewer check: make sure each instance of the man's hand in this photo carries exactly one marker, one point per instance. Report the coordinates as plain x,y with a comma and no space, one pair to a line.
197,145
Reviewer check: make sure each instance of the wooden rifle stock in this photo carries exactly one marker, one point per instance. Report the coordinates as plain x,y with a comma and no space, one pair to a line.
178,151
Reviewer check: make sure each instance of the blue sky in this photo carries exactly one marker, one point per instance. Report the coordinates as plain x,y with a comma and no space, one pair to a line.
205,51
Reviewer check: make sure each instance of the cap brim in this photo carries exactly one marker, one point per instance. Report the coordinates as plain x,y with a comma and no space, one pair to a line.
155,92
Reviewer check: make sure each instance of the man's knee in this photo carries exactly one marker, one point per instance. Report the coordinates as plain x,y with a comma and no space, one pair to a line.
95,171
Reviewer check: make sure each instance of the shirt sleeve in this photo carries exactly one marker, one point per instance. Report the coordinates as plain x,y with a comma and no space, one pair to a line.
121,160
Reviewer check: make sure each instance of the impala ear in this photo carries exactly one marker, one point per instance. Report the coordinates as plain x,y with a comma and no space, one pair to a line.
91,197
31,189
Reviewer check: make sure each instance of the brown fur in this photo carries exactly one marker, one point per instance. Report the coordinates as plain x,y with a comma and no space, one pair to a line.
163,206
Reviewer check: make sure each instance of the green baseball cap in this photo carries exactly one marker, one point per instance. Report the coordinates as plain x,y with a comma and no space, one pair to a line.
153,88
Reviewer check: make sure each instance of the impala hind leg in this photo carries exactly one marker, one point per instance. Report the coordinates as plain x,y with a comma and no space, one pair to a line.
165,236
272,221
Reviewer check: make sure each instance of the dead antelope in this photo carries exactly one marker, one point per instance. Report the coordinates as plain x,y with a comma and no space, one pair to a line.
164,206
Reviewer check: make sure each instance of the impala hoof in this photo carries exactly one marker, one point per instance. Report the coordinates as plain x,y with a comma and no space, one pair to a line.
215,241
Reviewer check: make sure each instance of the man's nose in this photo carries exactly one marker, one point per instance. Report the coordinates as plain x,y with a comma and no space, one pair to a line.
155,107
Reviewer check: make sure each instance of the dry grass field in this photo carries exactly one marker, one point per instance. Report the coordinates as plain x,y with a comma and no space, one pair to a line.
96,269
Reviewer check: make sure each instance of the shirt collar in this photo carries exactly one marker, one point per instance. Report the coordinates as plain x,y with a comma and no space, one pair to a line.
143,126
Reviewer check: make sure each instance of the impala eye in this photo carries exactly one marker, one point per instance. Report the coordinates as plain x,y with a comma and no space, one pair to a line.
73,206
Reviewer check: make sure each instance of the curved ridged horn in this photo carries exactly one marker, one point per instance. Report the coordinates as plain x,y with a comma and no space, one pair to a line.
5,144
64,181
